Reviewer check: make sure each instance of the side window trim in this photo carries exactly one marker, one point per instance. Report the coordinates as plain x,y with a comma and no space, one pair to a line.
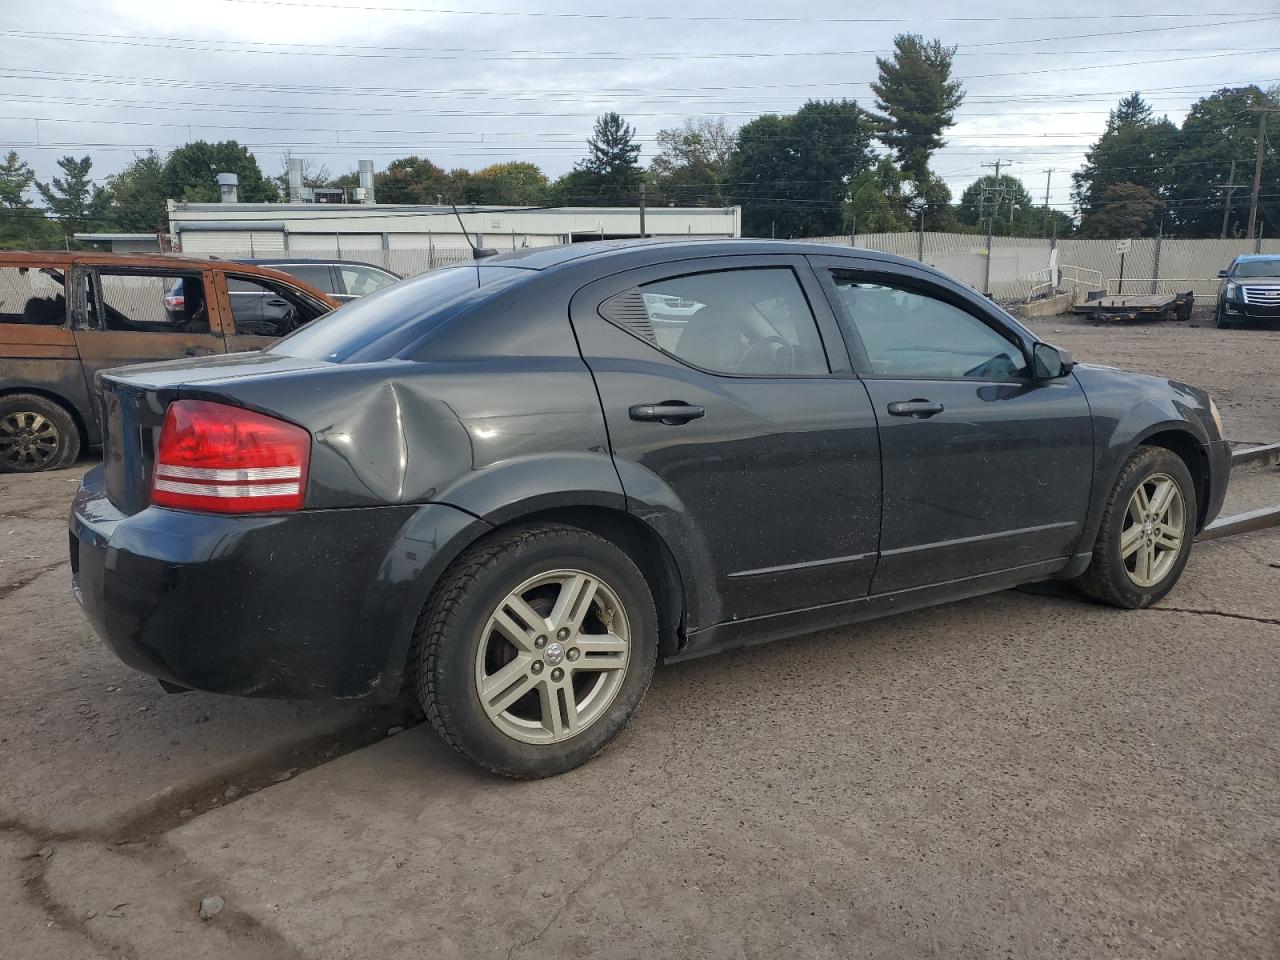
681,270
874,270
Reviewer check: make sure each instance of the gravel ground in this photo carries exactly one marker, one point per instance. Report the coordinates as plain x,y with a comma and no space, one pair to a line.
1021,775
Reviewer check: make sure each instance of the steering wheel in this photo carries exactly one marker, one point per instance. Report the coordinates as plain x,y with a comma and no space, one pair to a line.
787,350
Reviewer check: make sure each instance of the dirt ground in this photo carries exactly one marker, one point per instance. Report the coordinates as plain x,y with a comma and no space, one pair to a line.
1021,775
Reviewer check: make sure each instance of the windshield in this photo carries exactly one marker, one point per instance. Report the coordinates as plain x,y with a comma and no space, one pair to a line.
382,324
1258,268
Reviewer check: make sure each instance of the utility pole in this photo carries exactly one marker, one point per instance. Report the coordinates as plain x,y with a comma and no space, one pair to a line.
642,233
997,190
1257,164
1048,177
1229,187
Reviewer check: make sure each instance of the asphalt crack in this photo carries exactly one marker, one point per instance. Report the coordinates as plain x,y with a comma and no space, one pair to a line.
1275,621
577,888
16,585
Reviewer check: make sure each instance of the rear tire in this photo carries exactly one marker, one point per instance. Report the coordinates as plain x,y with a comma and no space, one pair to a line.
535,649
1148,525
36,434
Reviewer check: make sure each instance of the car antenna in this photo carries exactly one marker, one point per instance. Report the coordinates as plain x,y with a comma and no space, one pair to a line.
477,253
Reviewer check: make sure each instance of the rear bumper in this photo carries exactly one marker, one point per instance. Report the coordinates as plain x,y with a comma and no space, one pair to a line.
316,604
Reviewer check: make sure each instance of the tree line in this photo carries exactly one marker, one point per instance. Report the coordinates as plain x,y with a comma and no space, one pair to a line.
832,167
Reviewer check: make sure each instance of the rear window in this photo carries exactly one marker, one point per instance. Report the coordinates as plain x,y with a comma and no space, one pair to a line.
384,323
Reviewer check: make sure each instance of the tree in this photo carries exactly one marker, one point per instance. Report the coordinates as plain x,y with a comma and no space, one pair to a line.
919,99
877,201
1125,210
135,198
516,183
16,178
190,173
22,227
1136,148
411,180
1218,129
610,173
793,173
981,200
69,198
692,163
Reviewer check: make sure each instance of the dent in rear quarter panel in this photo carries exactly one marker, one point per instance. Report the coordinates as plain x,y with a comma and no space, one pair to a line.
480,435
1127,408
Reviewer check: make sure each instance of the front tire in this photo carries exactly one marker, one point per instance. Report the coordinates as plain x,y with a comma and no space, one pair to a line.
1148,526
535,649
1220,317
36,434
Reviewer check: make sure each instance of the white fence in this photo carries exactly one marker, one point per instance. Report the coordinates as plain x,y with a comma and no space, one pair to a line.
1151,266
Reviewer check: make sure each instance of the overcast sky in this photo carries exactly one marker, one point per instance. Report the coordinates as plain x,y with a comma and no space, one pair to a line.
474,82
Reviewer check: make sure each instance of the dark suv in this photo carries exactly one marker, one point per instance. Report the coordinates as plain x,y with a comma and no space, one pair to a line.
1250,289
515,485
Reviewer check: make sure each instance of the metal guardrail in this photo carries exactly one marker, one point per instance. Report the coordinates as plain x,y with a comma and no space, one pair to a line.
1249,522
1261,451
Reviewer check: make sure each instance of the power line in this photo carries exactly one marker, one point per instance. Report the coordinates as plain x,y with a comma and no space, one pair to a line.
688,18
277,48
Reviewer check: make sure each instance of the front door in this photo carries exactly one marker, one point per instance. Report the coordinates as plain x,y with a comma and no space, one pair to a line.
738,427
985,469
127,315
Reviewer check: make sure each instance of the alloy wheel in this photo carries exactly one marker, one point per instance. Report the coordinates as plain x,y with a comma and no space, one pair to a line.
552,656
28,440
1154,529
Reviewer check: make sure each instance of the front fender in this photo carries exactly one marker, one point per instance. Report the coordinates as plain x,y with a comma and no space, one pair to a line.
1127,409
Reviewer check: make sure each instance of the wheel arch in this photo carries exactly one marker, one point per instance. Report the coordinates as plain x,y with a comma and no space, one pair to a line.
1188,448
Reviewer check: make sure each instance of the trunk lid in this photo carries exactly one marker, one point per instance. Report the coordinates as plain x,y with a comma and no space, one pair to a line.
133,401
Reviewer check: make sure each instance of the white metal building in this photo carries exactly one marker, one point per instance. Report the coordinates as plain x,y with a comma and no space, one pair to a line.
270,228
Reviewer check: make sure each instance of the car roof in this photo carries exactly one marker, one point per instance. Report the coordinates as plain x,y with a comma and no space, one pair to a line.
548,258
1257,256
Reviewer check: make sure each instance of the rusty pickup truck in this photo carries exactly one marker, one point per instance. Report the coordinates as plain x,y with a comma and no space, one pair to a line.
65,316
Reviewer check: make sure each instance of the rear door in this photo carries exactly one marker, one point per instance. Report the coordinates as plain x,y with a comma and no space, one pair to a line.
737,425
984,468
128,315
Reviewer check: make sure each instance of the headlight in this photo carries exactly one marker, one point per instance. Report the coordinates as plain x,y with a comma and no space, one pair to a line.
1231,291
1217,417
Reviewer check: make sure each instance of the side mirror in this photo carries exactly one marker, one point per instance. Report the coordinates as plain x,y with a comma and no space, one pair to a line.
1222,273
1050,363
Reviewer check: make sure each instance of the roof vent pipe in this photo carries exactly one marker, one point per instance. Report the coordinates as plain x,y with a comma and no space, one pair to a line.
295,180
366,181
227,184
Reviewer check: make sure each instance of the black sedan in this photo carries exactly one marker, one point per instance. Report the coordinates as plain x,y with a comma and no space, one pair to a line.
505,485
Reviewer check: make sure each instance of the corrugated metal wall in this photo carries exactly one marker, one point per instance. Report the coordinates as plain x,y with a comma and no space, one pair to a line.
1182,264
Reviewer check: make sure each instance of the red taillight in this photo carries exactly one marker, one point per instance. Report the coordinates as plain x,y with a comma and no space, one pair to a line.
215,457
175,301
